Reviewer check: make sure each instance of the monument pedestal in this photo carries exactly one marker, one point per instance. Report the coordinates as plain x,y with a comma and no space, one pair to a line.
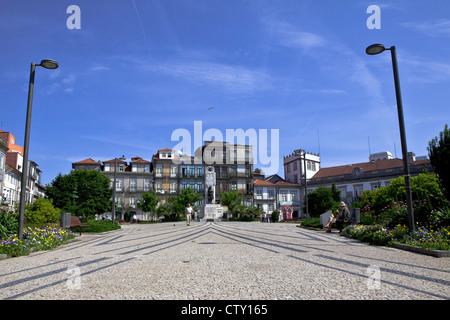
212,213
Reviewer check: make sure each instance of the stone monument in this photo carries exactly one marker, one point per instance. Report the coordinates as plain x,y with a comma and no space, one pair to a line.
211,211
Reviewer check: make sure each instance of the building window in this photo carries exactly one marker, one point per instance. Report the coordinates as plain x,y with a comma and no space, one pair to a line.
173,171
147,168
248,171
308,165
199,187
270,193
119,185
173,187
313,166
192,185
134,168
192,171
183,185
343,191
259,193
121,167
158,170
199,171
132,185
233,185
146,184
107,167
288,167
271,208
184,171
234,171
283,196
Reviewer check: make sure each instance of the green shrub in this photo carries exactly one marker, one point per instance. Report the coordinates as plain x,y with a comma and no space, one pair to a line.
42,211
275,216
9,224
98,226
312,222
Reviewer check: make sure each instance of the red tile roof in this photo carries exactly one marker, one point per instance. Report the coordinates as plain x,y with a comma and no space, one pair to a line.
138,160
366,167
260,182
86,161
112,160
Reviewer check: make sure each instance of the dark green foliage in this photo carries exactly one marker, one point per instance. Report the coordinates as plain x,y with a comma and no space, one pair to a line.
439,153
320,201
42,211
81,192
148,202
9,224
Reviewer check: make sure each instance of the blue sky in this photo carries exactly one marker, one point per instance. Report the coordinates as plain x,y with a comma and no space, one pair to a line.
138,70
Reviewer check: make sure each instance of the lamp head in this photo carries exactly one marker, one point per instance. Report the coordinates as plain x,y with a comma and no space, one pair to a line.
375,49
49,64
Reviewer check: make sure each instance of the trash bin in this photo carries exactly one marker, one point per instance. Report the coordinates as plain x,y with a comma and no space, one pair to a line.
65,220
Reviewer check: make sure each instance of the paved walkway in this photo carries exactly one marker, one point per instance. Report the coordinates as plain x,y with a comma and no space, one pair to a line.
228,260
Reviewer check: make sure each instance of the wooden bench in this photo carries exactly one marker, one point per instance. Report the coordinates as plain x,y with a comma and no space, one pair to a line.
76,223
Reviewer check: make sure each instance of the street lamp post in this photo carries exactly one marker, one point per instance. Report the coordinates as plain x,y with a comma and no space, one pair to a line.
48,64
373,50
113,211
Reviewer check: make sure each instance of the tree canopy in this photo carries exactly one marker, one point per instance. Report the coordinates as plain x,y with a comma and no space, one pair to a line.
439,153
82,192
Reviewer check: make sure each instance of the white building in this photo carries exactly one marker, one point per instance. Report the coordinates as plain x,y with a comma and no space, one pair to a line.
295,166
353,179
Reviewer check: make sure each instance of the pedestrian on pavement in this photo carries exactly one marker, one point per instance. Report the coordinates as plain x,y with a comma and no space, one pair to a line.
188,213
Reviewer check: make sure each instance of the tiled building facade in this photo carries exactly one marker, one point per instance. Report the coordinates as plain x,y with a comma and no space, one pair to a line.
168,173
11,164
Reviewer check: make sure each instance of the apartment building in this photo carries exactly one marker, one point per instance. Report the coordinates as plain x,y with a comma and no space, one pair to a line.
233,165
11,164
3,150
132,179
274,193
169,172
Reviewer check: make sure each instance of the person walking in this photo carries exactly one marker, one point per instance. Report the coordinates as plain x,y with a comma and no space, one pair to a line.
188,213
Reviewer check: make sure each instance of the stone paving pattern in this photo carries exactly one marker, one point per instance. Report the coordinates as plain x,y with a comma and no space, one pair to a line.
225,260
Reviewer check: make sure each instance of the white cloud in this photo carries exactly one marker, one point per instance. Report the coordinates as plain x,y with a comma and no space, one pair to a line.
287,35
436,28
236,79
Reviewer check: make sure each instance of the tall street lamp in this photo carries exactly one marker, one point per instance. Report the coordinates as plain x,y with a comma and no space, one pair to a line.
373,50
113,211
48,64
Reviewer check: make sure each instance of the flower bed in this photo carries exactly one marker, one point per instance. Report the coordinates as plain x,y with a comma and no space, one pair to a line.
34,240
377,234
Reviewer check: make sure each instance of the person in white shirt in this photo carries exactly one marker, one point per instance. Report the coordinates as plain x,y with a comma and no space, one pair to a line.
188,213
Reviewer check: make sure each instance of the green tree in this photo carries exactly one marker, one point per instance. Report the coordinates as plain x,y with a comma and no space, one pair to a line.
42,211
148,202
335,193
186,196
231,199
439,153
320,201
82,192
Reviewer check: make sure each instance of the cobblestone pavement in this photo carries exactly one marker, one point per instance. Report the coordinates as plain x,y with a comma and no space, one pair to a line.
226,260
